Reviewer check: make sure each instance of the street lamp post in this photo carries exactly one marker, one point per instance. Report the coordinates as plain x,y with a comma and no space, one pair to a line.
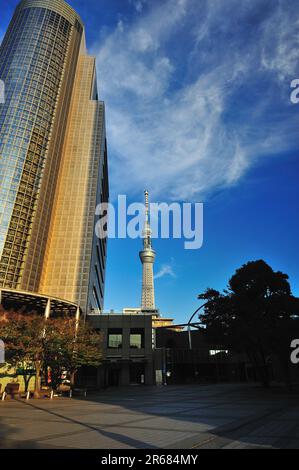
190,338
189,324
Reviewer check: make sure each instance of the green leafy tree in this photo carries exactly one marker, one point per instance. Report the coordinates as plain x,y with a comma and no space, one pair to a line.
257,315
34,344
23,334
68,346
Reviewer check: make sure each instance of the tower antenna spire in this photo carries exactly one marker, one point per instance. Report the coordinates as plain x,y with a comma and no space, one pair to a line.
147,257
147,242
146,201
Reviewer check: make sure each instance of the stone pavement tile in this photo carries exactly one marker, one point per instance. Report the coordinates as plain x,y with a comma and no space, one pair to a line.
190,441
25,411
275,428
35,431
233,432
213,441
153,438
271,434
180,417
56,409
61,417
295,431
15,444
111,438
188,404
162,410
24,418
89,407
25,422
249,442
291,415
217,412
210,441
179,424
104,419
82,413
287,443
252,407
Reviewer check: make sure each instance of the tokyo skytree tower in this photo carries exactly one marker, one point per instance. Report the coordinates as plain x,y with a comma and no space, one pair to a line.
147,257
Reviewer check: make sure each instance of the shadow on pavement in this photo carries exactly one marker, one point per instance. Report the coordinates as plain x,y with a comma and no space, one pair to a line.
248,415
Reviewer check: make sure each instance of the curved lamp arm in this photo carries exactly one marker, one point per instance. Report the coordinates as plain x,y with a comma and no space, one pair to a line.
197,310
190,320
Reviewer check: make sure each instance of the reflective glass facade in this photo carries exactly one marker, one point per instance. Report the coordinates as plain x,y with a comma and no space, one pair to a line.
41,58
74,265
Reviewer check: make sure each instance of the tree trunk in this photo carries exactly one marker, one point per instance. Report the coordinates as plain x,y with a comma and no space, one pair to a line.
37,379
72,379
264,371
27,379
261,370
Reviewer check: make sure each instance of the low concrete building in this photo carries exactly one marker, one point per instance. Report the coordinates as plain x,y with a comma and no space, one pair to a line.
157,318
179,362
127,351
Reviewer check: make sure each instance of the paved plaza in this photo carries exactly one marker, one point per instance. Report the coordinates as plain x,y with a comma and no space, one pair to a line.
173,417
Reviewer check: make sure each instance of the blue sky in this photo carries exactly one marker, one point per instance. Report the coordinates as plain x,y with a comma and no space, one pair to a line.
198,108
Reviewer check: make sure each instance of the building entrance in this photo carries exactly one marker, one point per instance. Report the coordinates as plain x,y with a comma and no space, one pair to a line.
137,375
113,378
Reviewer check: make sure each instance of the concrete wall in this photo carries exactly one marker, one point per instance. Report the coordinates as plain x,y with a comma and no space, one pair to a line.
117,363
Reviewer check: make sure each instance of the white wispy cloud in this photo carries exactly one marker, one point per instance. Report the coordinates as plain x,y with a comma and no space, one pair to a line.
197,92
165,270
138,4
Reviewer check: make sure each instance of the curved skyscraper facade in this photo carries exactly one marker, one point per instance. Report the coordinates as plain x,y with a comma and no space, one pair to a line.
47,242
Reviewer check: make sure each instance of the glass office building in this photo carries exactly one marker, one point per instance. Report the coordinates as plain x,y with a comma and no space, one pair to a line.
53,157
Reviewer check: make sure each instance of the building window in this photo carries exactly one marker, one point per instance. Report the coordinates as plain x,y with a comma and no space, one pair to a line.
96,298
115,338
213,352
137,338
